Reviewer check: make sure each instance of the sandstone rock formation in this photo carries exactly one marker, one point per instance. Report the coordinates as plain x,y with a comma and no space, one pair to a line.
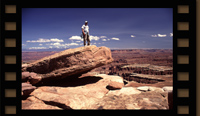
169,89
132,98
34,103
82,96
61,82
95,95
115,82
143,69
27,89
31,77
71,62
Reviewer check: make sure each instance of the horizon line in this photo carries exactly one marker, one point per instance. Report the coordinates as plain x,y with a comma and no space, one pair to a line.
42,50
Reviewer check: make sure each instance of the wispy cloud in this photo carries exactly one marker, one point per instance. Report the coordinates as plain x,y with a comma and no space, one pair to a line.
95,38
154,36
59,45
76,38
103,37
38,48
114,38
104,40
171,34
132,36
42,40
72,44
161,35
56,40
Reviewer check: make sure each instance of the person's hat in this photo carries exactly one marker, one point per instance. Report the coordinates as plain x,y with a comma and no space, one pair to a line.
86,21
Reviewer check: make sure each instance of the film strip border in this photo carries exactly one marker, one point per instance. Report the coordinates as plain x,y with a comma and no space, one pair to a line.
10,57
184,57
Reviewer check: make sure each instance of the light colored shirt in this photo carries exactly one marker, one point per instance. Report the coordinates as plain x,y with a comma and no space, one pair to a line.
85,28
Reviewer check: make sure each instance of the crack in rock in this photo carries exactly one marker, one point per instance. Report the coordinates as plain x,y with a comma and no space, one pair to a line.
52,103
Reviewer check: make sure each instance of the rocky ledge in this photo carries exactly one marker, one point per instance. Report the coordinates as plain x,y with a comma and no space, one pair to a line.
70,63
62,81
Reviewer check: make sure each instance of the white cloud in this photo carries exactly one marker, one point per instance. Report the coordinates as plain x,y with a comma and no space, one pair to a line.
132,36
56,44
40,44
103,37
76,38
159,35
72,44
96,38
153,35
171,34
42,40
114,38
38,48
23,44
56,40
59,45
104,40
78,41
108,39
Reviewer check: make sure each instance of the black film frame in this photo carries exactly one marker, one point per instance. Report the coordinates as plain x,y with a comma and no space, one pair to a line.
15,102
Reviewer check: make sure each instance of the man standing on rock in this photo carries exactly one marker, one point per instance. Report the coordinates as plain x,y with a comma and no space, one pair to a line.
85,32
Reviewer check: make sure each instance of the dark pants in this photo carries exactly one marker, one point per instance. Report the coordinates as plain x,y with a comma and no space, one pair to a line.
86,37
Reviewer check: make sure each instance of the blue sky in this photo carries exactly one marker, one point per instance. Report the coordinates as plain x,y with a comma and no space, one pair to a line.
116,28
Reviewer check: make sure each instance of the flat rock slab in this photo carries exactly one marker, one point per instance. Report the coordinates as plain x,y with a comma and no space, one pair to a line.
134,99
71,62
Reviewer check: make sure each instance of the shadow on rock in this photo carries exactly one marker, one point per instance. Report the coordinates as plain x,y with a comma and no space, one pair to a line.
71,82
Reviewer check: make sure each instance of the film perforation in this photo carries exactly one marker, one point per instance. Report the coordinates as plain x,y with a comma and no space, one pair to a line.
183,76
183,93
10,93
11,9
183,110
183,42
183,9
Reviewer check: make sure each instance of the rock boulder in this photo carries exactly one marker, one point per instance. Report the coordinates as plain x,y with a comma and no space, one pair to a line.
70,62
27,89
31,77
